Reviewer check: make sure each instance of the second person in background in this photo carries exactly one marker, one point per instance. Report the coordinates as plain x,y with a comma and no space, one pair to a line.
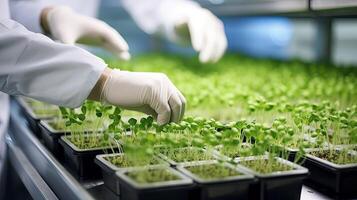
180,21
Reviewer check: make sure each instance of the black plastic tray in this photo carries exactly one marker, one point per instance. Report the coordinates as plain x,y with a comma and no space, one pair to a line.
50,138
81,161
230,188
279,185
339,180
169,190
32,119
109,170
288,153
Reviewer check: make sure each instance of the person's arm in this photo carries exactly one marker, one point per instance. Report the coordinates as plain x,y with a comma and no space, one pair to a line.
68,26
28,12
181,21
32,65
159,16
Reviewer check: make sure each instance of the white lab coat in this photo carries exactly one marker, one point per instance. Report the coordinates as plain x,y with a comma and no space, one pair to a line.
4,109
152,16
32,65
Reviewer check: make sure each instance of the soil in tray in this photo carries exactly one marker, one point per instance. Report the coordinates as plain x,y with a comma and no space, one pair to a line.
266,166
336,156
46,112
302,142
186,154
234,152
152,176
212,171
59,125
89,142
123,161
38,104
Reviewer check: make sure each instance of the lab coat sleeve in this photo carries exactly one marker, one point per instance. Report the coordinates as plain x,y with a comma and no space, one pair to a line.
159,16
32,65
28,13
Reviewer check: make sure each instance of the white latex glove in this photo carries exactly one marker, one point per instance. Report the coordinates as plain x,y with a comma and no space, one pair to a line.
69,27
150,93
205,31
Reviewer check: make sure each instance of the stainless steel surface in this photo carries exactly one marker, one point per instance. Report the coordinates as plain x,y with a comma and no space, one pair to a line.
332,4
262,7
33,182
308,193
292,8
55,175
334,8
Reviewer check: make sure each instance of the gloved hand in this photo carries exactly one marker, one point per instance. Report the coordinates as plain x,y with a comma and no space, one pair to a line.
69,27
150,93
205,31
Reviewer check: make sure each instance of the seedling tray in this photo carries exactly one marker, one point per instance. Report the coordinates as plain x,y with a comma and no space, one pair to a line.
167,190
32,119
109,170
174,163
291,153
277,185
221,156
228,188
51,136
288,153
81,161
339,180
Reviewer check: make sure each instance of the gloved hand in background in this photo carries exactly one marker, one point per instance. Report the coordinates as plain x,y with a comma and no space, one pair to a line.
69,27
182,22
205,32
150,93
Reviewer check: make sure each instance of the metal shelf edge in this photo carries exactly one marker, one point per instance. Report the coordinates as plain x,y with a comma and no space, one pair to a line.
52,172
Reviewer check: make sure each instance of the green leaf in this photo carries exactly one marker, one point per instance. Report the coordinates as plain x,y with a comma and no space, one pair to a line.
81,117
143,121
63,110
68,123
84,109
98,113
132,121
